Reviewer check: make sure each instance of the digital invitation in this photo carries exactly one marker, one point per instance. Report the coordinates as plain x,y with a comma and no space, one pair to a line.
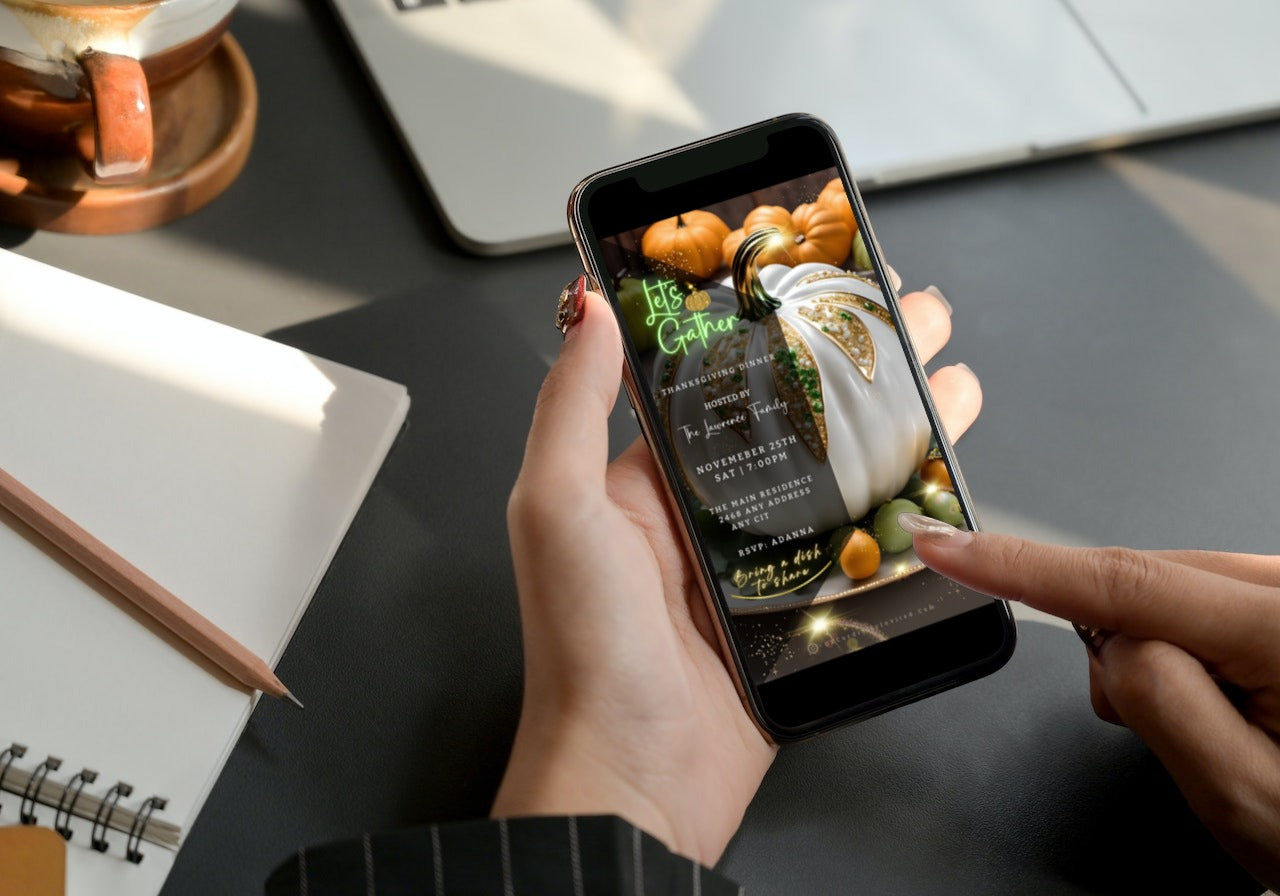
790,408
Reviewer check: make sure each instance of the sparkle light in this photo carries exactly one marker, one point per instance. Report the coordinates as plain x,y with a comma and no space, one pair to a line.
779,240
819,625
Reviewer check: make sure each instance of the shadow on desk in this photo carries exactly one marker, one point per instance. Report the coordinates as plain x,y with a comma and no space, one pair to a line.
409,663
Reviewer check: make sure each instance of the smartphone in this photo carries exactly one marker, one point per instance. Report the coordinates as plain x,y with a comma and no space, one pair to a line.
790,420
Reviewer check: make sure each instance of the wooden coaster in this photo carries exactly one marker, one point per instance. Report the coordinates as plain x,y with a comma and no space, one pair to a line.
203,130
33,862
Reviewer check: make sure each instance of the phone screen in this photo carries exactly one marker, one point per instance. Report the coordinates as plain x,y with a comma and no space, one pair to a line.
770,371
767,346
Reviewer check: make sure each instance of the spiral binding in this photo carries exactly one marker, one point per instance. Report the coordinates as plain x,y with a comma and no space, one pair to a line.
68,799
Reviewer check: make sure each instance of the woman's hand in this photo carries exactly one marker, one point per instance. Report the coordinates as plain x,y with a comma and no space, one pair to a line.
628,707
1188,657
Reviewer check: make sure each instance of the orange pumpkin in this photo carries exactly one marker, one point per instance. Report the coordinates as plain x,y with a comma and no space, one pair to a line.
687,244
808,234
835,198
769,216
729,247
824,232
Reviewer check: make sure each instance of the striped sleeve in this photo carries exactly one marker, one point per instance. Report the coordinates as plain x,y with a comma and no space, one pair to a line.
594,855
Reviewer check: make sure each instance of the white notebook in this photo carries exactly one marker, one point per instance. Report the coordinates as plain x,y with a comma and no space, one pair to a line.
225,466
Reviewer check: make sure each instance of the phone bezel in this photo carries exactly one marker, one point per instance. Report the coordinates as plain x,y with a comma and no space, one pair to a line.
906,667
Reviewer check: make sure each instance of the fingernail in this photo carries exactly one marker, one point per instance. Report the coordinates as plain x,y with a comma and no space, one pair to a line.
1092,636
933,531
570,309
937,294
966,367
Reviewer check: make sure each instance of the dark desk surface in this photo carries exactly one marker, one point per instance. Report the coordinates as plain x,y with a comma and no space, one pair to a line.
1122,311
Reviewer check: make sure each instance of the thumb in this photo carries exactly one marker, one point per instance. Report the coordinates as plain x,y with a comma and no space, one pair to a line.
568,444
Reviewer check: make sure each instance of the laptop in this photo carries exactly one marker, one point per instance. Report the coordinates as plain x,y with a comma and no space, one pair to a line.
506,104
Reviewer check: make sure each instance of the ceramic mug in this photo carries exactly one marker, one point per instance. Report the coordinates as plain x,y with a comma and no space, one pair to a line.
77,74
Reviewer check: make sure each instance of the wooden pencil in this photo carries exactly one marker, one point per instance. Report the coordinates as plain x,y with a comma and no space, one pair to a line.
140,589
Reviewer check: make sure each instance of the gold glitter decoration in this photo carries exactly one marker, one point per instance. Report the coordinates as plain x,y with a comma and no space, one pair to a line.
819,276
875,309
725,389
799,385
698,301
840,323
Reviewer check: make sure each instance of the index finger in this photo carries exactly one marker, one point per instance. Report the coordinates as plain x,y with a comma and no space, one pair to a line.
1138,593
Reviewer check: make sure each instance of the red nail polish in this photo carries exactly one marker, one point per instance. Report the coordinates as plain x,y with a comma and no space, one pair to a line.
572,304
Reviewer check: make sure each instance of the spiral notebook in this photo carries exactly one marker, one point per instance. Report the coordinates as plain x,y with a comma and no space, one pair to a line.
225,466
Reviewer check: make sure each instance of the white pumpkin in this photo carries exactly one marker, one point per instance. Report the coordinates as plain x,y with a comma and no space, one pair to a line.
836,378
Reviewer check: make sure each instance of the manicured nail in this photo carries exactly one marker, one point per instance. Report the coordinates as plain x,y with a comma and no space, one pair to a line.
572,304
1092,636
933,531
937,294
